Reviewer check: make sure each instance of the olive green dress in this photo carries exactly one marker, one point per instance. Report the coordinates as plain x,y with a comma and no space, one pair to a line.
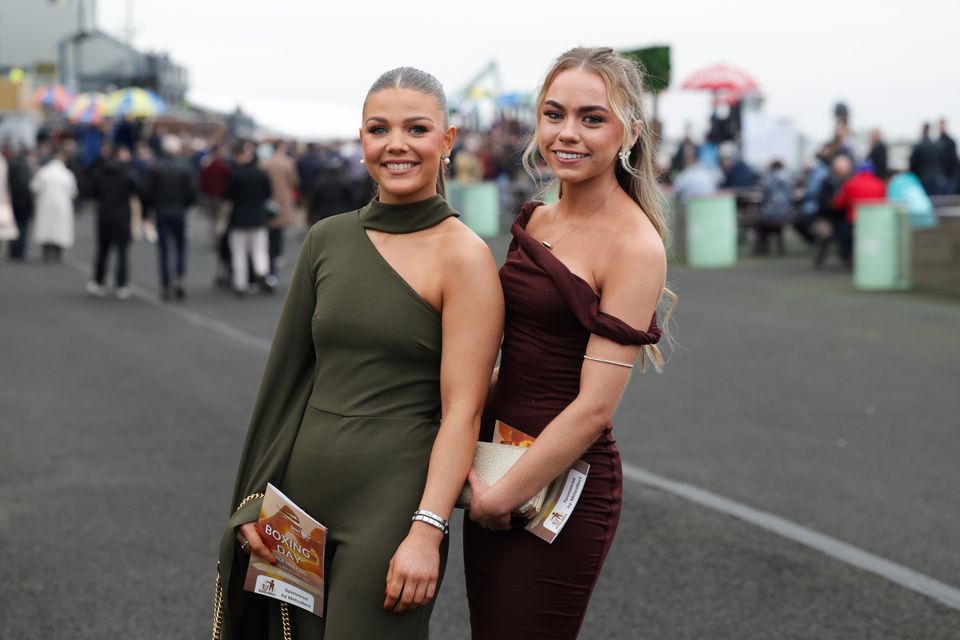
344,424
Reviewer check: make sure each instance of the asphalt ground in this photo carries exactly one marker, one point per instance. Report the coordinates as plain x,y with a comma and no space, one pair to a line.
790,393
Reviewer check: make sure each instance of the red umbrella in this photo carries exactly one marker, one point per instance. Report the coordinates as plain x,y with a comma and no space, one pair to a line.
721,78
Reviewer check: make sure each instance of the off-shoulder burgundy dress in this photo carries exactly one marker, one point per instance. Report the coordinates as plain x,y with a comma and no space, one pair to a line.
518,585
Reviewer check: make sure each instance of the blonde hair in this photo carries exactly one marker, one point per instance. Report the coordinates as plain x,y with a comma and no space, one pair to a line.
637,175
415,80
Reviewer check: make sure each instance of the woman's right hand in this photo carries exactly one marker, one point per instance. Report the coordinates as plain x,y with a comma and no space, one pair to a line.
248,533
482,510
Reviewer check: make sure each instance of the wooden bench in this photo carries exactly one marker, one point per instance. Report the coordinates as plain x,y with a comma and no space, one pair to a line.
936,251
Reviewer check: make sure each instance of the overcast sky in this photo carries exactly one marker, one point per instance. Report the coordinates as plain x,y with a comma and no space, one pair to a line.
304,66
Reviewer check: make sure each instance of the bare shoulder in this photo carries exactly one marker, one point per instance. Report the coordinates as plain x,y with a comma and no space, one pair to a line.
468,275
463,251
542,211
635,245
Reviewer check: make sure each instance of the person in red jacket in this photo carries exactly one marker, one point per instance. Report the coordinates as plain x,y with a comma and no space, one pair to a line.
863,187
213,180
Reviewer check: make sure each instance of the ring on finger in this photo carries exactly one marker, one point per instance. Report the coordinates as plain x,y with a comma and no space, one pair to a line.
243,547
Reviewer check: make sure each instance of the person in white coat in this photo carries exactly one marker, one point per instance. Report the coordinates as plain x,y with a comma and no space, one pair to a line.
8,224
55,188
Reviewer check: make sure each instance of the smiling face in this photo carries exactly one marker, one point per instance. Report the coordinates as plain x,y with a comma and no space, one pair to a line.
580,136
404,135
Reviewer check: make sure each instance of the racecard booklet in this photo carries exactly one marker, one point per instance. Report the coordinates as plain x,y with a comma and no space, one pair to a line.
562,494
298,542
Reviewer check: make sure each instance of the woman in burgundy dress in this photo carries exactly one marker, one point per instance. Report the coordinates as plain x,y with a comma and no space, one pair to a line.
582,282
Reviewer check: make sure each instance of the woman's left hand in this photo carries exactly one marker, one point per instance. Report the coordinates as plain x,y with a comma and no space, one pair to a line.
482,511
414,569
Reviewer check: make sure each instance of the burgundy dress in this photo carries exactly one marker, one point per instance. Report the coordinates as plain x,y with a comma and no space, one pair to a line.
519,586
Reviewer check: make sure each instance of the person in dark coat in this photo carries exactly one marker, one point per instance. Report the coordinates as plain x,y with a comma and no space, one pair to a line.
21,199
775,209
683,157
834,220
926,162
951,164
309,165
248,190
112,187
86,175
171,189
329,193
737,174
878,154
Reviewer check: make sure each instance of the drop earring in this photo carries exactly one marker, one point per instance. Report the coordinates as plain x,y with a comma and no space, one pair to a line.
445,159
625,157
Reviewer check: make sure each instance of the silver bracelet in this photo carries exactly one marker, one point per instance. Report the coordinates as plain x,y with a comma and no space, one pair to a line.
619,364
429,517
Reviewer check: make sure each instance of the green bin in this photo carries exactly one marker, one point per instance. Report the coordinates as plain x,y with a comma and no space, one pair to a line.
881,247
479,207
454,195
711,231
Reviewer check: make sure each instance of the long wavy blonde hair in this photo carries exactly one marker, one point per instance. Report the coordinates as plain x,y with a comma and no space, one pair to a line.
637,176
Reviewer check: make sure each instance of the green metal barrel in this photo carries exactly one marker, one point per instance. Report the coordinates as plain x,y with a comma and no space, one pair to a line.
881,248
454,194
478,204
711,231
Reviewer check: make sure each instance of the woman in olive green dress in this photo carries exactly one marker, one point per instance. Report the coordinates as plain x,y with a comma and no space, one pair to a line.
361,418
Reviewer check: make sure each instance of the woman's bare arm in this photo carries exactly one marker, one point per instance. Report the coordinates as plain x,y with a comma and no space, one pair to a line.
633,280
472,325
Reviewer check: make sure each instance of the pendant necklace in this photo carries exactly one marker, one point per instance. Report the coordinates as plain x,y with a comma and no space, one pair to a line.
550,245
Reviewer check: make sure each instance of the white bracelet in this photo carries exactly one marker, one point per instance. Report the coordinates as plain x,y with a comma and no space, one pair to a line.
619,364
429,517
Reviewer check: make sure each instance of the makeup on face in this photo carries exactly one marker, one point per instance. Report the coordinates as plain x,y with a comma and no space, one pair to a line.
579,134
403,141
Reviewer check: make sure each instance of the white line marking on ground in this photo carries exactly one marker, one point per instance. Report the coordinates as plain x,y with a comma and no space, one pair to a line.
898,574
832,547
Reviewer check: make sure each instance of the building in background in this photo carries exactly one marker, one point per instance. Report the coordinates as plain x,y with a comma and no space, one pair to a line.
58,40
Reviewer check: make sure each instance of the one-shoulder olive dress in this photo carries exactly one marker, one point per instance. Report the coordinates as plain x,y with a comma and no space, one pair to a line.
344,424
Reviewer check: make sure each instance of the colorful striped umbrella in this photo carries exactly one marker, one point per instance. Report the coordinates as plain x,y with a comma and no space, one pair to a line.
88,108
52,96
136,102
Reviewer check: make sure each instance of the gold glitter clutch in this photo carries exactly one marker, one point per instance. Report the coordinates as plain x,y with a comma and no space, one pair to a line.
491,462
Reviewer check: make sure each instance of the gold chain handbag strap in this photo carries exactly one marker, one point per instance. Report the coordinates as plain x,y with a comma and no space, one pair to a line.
218,610
285,620
249,498
218,596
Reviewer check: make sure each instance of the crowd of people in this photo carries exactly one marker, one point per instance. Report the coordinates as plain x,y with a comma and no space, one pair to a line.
143,188
140,182
819,202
